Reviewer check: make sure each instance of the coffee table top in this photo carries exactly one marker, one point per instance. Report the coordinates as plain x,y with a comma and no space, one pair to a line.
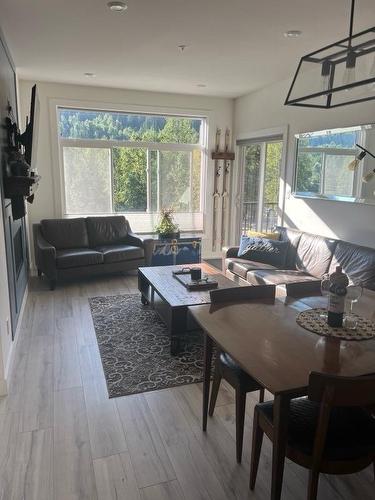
174,292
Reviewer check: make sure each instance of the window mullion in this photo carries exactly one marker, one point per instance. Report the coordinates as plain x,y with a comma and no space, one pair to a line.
261,184
148,180
158,183
323,174
111,177
191,181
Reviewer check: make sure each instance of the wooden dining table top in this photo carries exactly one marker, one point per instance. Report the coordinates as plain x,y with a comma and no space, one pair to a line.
264,338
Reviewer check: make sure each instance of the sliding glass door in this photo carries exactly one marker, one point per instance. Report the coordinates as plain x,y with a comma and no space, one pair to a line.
261,163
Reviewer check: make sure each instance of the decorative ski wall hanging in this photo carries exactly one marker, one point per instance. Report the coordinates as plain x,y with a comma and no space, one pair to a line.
221,195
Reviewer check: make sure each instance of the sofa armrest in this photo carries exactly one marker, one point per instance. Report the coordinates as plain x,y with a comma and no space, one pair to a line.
146,243
134,239
45,253
230,252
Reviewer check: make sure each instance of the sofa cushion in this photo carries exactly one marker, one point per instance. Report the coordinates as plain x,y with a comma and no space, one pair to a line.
240,267
278,277
357,262
65,233
119,253
271,252
111,230
77,257
314,254
292,236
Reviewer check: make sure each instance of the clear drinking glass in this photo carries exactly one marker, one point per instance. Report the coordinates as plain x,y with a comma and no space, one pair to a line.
354,293
324,287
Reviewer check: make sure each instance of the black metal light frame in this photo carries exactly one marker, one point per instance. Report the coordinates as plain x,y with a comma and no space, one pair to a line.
344,48
365,150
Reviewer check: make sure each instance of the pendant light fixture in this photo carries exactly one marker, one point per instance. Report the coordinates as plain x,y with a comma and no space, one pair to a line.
339,74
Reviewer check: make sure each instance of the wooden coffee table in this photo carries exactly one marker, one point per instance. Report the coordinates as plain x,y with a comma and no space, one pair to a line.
171,299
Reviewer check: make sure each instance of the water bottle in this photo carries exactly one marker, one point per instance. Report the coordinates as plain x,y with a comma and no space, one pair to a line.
336,304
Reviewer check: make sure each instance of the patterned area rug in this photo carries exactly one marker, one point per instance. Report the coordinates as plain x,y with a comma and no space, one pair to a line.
134,347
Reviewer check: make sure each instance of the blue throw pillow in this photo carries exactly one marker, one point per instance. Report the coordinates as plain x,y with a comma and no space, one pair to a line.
263,250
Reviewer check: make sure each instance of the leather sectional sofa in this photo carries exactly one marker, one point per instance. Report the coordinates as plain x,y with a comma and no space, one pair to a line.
88,246
308,257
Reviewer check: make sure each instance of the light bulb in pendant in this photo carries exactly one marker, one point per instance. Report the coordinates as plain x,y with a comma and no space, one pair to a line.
354,164
349,73
369,176
326,75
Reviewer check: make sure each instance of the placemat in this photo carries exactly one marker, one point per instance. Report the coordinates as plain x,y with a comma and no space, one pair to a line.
312,321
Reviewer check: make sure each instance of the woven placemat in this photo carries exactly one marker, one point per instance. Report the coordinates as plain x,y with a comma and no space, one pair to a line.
311,320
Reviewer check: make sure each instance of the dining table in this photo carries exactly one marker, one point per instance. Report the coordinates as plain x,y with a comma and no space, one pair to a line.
264,339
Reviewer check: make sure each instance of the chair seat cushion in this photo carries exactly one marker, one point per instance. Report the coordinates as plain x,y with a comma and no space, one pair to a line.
240,267
119,253
235,375
77,257
278,277
351,431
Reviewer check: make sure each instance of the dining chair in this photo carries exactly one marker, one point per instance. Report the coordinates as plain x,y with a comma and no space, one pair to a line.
330,431
227,368
304,289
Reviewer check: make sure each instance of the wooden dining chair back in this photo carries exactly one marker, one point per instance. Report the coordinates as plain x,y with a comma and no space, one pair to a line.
331,431
242,293
305,289
227,368
334,390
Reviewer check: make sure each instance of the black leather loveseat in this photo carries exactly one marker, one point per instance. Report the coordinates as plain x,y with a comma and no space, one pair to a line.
87,246
308,257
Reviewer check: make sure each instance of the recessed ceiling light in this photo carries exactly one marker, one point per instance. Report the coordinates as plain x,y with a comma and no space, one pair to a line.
202,85
117,6
182,47
292,34
89,75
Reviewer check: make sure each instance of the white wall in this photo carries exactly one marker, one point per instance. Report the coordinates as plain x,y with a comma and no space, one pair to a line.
219,110
264,109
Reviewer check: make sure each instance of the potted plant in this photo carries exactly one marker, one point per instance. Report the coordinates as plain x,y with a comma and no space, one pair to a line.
167,228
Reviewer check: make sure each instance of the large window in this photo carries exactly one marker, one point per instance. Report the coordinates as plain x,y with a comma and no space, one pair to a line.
132,164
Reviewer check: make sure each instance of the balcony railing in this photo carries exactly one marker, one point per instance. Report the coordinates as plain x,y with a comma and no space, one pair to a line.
250,216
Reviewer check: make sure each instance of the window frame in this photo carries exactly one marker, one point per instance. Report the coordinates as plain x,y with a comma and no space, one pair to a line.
259,136
61,142
263,143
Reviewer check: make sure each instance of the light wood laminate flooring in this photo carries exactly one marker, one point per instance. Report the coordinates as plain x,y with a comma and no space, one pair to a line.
61,438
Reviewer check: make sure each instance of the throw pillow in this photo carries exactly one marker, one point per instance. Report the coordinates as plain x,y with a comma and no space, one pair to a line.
264,250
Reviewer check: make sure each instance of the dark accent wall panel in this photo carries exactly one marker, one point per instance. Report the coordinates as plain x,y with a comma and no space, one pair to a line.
14,231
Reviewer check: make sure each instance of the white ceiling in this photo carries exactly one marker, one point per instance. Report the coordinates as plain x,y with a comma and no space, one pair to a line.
235,46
